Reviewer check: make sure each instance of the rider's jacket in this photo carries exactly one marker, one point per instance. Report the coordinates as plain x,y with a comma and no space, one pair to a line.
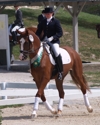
18,15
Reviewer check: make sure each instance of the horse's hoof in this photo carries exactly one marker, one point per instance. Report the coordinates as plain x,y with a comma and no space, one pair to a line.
54,111
33,116
59,113
90,109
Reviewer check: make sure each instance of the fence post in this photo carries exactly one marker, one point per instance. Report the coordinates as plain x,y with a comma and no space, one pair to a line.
3,87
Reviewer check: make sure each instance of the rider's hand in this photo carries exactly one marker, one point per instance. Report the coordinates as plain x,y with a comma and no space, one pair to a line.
50,38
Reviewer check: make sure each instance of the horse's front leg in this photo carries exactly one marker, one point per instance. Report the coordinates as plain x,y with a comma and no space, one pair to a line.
46,103
49,107
40,94
36,104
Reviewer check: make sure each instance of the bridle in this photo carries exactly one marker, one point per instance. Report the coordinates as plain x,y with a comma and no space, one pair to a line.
29,51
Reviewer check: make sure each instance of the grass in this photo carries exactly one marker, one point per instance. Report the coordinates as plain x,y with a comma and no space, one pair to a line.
89,44
94,77
11,106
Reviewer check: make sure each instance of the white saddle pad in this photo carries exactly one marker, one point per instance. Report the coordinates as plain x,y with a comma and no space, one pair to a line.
66,59
21,30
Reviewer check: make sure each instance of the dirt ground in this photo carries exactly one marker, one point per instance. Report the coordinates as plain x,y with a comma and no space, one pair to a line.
74,113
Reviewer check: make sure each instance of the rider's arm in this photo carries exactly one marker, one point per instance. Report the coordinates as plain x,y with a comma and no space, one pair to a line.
39,30
59,31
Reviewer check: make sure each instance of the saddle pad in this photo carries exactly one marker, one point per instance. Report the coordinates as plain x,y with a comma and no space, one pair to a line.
20,29
64,54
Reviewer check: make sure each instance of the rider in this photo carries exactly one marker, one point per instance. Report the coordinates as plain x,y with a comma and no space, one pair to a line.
17,23
52,32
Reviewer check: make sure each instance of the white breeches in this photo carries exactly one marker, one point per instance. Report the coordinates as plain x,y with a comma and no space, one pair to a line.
56,49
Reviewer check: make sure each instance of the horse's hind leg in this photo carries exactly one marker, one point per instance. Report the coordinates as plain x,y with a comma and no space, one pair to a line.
80,81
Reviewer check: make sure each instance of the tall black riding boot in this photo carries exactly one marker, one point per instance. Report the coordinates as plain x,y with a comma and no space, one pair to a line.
14,36
60,67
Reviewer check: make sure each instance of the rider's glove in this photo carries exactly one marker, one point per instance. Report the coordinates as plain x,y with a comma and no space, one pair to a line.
50,38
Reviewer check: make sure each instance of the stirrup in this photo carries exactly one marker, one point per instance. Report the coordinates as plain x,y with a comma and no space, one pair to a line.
60,76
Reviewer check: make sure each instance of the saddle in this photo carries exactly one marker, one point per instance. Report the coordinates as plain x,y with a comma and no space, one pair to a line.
52,57
66,59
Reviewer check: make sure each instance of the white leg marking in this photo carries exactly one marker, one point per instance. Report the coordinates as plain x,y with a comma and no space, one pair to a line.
49,107
87,103
86,100
60,105
36,104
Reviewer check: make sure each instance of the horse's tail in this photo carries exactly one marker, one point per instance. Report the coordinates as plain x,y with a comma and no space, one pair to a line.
77,82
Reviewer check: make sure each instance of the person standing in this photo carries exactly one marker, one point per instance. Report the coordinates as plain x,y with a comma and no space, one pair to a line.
17,23
52,32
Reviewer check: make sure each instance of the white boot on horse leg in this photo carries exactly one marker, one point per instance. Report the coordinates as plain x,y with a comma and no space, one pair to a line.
60,107
87,104
36,104
49,107
12,59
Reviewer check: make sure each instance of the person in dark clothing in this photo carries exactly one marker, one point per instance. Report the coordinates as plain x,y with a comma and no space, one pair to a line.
41,16
52,32
17,23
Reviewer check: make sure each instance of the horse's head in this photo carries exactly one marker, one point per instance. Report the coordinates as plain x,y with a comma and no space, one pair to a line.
29,44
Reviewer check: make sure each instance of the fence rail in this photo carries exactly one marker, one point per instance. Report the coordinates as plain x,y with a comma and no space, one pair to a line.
23,93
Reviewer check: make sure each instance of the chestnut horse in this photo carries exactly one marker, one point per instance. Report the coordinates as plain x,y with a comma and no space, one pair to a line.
18,37
42,69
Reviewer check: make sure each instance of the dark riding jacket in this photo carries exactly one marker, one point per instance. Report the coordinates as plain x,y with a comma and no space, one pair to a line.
40,18
52,29
18,15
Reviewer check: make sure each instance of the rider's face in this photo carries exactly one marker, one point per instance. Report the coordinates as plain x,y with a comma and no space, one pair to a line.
16,7
48,15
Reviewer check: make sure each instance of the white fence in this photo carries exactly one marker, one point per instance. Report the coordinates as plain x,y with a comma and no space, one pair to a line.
22,93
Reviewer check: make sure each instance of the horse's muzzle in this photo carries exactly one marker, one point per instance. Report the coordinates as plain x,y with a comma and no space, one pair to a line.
22,56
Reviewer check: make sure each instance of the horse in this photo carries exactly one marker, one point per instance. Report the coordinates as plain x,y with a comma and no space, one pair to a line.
42,71
18,37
